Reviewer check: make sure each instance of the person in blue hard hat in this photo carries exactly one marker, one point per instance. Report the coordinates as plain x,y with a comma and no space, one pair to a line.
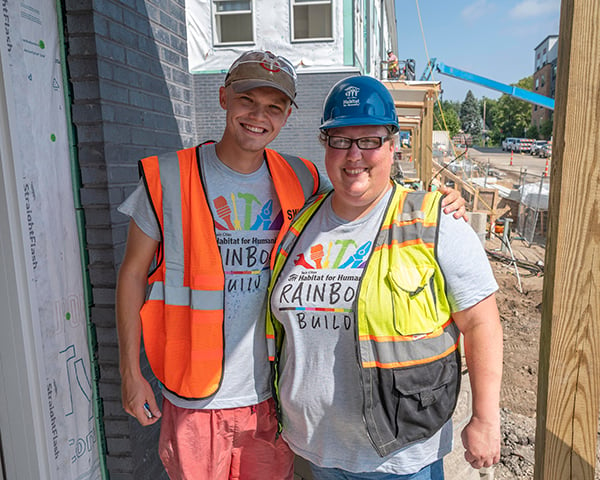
371,289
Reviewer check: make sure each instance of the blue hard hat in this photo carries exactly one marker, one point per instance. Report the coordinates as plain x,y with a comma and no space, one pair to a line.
359,100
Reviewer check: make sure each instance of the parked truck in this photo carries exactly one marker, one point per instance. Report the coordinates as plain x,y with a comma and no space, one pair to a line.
508,144
512,144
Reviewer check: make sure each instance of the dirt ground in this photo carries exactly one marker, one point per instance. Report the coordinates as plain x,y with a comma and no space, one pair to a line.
519,301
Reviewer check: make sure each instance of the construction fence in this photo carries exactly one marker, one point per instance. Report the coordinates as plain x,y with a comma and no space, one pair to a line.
532,221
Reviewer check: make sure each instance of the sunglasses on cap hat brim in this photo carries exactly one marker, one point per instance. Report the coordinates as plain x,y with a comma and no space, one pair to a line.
256,69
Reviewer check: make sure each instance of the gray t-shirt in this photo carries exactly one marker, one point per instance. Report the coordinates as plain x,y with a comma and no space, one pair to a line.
248,218
313,298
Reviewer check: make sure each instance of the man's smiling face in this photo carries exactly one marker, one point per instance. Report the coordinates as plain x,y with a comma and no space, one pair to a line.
255,117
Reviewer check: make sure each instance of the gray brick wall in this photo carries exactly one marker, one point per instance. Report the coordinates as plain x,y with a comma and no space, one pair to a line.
131,97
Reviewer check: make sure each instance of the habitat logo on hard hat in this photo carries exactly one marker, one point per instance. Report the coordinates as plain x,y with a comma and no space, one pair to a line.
351,99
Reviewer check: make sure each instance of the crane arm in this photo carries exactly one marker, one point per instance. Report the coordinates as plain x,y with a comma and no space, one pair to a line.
511,90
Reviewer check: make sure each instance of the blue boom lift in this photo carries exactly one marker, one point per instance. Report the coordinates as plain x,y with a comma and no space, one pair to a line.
516,92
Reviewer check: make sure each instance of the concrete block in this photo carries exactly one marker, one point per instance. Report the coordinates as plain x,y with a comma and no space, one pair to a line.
111,9
93,196
82,67
90,153
89,132
109,49
478,221
110,391
99,216
137,22
95,175
106,336
82,22
88,90
103,316
121,464
114,409
121,476
103,276
103,296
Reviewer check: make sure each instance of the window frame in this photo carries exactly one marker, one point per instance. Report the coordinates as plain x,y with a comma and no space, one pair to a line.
295,3
216,27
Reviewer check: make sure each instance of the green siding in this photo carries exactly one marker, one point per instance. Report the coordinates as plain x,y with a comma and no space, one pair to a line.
348,32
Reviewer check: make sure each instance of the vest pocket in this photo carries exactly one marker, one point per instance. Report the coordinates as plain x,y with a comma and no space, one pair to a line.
426,397
414,307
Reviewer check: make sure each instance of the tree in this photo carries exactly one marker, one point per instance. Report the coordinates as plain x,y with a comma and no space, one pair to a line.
533,132
449,121
513,116
470,117
546,129
487,108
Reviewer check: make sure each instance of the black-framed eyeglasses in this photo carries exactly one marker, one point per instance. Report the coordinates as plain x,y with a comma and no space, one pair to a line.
363,143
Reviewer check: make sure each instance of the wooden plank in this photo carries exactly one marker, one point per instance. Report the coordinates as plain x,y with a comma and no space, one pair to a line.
569,371
416,143
426,171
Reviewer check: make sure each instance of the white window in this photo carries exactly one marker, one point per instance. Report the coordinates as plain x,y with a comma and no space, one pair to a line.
311,20
233,21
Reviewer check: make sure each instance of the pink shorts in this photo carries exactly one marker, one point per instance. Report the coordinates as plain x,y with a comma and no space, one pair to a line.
226,444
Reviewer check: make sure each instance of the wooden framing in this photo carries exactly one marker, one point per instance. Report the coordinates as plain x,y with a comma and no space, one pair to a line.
479,199
569,370
414,104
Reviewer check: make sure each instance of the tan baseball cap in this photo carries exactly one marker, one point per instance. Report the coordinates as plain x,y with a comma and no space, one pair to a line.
259,68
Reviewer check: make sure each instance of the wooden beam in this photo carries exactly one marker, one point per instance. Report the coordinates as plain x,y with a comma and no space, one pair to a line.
569,371
426,171
416,144
411,121
409,112
418,104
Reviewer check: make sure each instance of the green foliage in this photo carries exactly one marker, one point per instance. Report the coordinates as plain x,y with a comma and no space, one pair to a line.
490,106
470,117
532,132
512,117
546,129
505,117
454,104
452,122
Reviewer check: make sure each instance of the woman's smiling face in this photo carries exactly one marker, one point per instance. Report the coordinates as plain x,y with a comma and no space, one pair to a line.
359,177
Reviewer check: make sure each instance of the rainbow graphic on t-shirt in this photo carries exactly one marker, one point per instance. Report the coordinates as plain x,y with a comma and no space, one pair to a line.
320,255
238,215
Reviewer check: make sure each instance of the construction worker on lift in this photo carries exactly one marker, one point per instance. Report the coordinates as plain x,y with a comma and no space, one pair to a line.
393,66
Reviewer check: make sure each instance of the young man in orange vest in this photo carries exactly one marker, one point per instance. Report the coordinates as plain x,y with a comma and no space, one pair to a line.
210,217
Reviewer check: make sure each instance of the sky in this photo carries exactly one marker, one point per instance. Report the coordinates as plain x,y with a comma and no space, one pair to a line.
491,38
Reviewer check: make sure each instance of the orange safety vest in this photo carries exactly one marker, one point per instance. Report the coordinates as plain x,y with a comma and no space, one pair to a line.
182,318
